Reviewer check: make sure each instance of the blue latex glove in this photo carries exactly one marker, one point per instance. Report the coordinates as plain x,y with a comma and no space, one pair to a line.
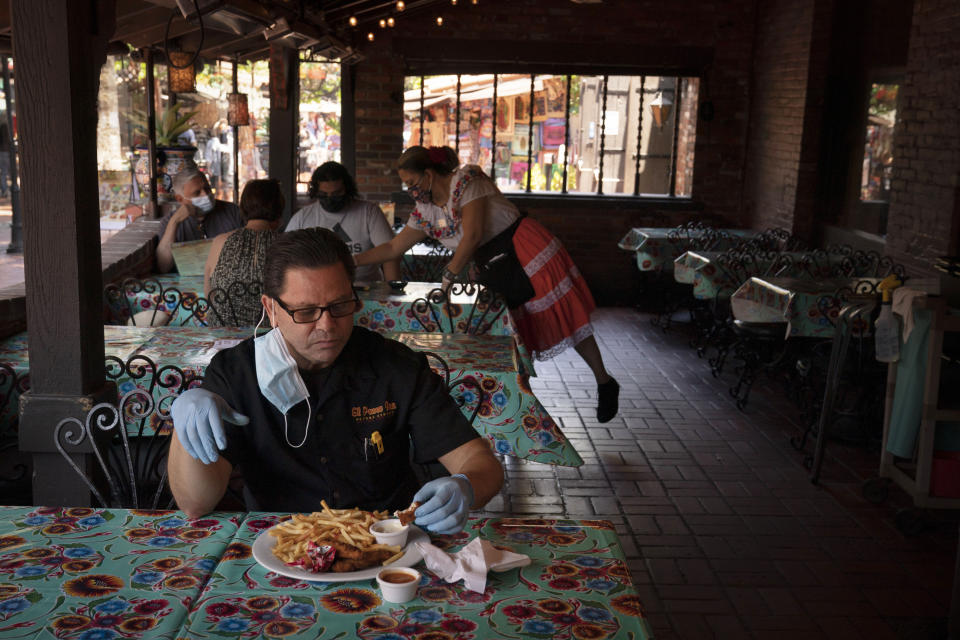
198,417
446,504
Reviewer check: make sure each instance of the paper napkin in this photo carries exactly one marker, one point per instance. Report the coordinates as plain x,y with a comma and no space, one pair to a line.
470,563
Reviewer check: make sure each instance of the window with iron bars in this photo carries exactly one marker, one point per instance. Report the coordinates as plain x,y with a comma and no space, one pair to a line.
562,134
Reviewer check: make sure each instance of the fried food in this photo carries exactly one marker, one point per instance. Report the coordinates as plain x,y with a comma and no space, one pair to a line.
346,530
407,515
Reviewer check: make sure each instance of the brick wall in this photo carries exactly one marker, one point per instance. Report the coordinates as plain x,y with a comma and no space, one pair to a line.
924,218
591,232
778,100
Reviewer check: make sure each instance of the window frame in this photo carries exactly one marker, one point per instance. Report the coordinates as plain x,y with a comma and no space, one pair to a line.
527,191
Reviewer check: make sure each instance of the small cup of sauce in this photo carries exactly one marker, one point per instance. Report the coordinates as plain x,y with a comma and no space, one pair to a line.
398,584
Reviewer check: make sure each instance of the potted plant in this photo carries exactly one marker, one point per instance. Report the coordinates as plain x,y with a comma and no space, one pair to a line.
171,156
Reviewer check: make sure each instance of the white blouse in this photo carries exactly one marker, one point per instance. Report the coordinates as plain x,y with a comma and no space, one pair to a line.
444,223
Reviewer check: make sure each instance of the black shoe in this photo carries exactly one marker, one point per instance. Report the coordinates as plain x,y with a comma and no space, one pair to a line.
608,400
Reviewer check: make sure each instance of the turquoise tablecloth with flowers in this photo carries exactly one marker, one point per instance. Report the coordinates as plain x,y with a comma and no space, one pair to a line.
382,310
510,416
809,307
577,586
105,574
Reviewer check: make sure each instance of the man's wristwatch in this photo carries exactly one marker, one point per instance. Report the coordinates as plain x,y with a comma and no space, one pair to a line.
450,275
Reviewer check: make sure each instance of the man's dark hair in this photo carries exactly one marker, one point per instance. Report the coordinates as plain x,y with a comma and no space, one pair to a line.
303,249
262,200
332,172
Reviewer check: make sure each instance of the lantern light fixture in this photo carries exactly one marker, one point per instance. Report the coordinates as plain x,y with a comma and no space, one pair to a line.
439,21
401,5
181,75
391,22
238,111
370,36
353,21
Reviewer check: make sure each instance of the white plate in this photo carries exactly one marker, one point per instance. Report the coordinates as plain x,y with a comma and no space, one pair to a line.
263,553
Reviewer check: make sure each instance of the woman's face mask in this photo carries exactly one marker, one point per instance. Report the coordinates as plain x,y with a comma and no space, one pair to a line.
418,193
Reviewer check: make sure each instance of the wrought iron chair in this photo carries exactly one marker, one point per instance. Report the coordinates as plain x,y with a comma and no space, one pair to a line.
133,468
436,313
461,389
12,385
426,267
223,307
130,439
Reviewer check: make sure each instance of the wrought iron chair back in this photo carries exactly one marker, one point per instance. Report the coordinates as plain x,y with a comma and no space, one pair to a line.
434,469
426,267
223,307
11,385
136,479
830,306
436,313
130,440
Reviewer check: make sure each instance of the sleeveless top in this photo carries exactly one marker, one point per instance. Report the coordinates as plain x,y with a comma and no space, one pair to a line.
240,262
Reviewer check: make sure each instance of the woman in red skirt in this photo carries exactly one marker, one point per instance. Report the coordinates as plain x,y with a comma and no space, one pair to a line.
463,209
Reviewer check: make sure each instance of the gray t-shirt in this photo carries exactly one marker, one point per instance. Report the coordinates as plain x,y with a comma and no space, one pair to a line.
361,224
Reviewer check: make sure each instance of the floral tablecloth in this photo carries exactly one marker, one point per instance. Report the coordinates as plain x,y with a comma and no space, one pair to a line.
798,302
383,310
510,416
105,574
656,249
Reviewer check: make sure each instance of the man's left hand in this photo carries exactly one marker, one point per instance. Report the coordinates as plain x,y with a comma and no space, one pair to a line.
446,504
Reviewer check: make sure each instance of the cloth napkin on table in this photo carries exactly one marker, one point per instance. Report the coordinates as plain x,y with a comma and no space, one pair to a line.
470,563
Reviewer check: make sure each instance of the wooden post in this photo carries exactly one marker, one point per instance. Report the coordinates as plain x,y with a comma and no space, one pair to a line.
59,46
284,121
152,133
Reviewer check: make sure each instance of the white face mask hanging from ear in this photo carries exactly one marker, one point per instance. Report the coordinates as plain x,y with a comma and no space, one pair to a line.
279,377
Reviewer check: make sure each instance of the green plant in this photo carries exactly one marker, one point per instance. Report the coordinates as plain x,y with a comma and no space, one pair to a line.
171,124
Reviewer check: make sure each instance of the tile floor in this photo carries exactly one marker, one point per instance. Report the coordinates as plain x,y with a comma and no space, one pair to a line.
724,534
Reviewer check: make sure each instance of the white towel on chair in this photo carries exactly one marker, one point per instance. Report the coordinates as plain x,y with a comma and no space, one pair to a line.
903,298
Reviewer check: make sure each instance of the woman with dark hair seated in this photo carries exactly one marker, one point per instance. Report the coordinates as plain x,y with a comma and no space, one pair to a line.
338,207
236,258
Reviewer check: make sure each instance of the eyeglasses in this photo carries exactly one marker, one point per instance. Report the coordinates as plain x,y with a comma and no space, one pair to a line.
312,314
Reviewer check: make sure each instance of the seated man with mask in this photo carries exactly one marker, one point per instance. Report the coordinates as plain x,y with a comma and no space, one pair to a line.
199,216
359,223
317,409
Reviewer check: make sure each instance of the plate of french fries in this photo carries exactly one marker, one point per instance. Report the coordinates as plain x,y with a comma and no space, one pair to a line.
304,546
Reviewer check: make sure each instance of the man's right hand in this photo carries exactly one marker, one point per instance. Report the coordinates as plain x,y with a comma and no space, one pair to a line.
198,417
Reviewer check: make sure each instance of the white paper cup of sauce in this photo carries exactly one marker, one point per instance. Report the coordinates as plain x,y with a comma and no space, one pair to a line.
390,531
398,584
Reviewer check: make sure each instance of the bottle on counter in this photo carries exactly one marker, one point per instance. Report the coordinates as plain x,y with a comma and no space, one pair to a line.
887,329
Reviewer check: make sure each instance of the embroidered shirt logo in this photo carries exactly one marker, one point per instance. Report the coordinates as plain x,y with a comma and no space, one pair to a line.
364,413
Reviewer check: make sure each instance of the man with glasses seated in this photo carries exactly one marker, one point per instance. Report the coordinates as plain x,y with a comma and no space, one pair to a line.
317,409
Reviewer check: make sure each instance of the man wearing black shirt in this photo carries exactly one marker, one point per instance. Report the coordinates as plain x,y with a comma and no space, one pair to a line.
368,401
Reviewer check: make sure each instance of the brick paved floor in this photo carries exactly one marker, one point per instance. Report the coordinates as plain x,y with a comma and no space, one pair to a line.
724,534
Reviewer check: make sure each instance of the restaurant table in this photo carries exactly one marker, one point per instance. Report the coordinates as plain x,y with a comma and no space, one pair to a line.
383,309
100,574
796,301
510,416
657,247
